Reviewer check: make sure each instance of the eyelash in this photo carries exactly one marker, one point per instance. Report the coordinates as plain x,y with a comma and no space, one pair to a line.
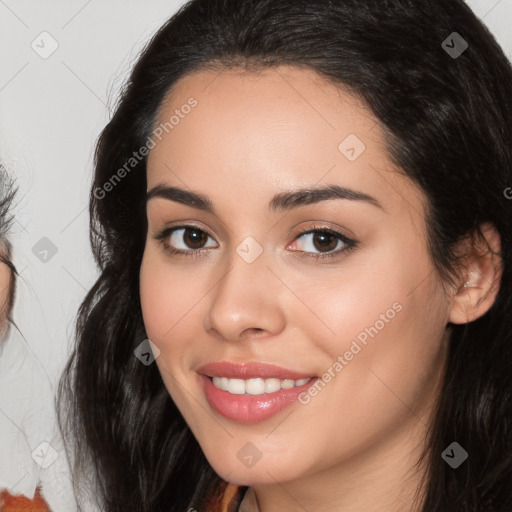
351,245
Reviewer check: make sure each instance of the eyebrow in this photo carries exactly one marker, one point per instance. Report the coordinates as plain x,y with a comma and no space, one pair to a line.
283,201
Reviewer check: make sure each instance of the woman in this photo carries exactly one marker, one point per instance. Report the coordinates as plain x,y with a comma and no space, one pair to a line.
301,205
22,414
10,456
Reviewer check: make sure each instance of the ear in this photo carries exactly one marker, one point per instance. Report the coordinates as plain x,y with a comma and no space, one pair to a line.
477,288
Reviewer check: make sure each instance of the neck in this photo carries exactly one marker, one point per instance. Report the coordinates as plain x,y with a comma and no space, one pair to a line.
386,478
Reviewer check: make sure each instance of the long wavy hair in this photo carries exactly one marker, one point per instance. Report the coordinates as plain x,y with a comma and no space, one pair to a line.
447,121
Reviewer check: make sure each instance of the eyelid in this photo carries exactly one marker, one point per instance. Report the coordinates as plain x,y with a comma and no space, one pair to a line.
325,229
350,243
170,228
166,232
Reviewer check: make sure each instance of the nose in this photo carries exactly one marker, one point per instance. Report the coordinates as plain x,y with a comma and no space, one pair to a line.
247,301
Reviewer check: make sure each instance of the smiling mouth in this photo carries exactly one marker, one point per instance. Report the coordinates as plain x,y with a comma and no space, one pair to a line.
257,386
253,392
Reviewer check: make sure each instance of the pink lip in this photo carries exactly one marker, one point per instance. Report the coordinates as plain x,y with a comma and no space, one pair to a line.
250,408
250,371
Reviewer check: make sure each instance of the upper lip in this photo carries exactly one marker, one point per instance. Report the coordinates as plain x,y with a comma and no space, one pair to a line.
250,371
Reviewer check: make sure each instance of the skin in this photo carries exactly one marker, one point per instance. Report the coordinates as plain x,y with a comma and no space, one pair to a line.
5,280
354,446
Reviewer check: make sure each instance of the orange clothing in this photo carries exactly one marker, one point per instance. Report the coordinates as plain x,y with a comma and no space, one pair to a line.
228,501
18,503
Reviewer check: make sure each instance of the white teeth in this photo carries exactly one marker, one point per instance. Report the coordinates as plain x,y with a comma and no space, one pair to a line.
272,385
224,381
256,386
287,384
236,386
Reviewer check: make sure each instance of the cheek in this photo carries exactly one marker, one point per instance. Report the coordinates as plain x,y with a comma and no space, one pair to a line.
165,302
167,296
154,302
380,343
358,306
380,304
391,351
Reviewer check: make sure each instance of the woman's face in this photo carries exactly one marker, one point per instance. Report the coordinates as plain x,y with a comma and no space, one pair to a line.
365,322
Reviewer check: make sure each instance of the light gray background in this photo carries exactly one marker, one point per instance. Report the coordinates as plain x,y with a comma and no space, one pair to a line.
51,112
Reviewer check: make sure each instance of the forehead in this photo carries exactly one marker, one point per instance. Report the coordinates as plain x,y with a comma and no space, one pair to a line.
288,105
280,128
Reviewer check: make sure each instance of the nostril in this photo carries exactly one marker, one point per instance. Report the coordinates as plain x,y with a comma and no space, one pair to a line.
251,331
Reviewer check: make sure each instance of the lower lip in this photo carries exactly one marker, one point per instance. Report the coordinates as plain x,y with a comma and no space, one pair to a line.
250,408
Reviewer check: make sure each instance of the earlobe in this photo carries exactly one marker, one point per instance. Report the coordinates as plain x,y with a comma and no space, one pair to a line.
479,287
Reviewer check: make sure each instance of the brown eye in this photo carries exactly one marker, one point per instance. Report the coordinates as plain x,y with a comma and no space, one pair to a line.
194,238
324,241
183,239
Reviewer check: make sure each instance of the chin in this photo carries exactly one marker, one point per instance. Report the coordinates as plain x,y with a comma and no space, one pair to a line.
261,473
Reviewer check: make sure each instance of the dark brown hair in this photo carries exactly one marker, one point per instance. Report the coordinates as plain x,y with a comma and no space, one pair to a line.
448,126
